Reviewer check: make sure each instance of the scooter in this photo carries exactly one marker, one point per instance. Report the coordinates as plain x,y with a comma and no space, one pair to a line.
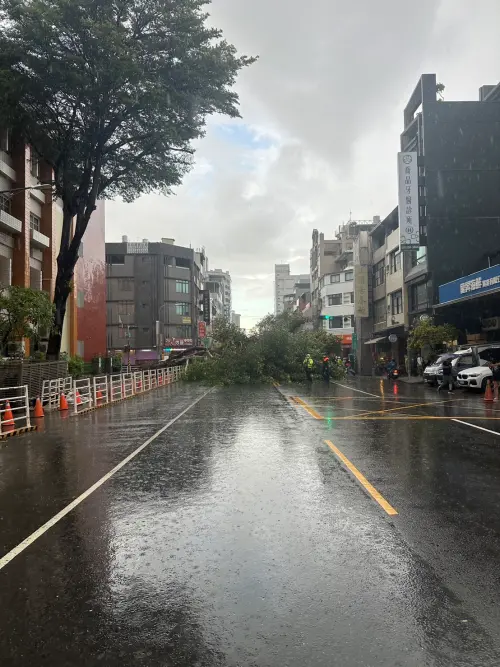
393,375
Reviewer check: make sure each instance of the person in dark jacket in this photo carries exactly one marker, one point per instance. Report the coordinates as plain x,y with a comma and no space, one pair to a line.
447,376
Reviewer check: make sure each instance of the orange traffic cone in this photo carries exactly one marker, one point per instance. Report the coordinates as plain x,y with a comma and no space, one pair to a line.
78,398
38,409
99,395
63,403
8,423
160,381
488,394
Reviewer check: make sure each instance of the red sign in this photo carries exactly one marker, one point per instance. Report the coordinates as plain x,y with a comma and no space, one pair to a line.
347,339
202,330
179,342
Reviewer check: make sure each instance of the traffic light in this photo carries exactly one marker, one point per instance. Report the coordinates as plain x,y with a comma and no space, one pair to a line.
324,317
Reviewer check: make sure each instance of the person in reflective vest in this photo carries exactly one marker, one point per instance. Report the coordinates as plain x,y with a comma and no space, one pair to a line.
308,364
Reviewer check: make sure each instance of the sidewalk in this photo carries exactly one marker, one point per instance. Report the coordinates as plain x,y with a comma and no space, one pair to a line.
412,380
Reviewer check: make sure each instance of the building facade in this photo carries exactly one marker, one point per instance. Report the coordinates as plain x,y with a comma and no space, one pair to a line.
225,291
286,284
31,222
153,296
458,149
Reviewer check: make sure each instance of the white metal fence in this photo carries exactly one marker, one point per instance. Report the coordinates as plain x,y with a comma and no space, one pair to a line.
82,395
100,386
127,385
115,388
15,408
52,390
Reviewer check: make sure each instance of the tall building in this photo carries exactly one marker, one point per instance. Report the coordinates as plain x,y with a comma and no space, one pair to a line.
285,284
30,235
458,151
153,296
236,319
224,280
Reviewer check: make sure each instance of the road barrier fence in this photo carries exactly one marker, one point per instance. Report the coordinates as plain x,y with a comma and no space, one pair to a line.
15,408
83,394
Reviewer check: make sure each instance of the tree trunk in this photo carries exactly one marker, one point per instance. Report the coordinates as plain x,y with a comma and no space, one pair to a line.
62,291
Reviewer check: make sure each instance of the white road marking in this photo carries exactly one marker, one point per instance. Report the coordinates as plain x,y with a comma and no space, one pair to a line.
55,519
358,390
481,428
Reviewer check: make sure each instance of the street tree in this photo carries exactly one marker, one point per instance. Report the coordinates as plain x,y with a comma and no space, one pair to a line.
428,334
23,313
111,95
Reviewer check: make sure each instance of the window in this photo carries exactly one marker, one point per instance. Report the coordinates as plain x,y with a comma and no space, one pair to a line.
418,297
115,259
80,250
5,141
419,256
465,361
397,303
335,322
183,331
182,286
348,297
80,298
182,263
5,203
395,261
348,321
349,275
335,278
335,299
35,222
379,273
126,285
379,312
80,348
182,309
34,164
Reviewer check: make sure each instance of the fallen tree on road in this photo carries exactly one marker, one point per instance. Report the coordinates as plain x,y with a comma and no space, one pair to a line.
273,352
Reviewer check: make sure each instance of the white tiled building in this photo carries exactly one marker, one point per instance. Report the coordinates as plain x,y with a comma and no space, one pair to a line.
337,302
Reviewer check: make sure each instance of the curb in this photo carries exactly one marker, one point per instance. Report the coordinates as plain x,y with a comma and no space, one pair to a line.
17,431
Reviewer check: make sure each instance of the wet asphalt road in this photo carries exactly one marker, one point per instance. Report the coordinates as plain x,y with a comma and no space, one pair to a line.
238,538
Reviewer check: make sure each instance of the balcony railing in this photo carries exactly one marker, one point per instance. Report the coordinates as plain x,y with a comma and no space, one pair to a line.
9,223
39,240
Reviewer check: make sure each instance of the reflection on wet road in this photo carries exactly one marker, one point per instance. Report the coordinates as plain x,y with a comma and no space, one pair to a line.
239,536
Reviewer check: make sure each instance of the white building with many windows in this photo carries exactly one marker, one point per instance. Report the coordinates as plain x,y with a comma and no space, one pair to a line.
337,304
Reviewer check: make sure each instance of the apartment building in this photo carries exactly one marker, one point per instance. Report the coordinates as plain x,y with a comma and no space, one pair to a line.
457,146
30,234
153,296
286,284
225,291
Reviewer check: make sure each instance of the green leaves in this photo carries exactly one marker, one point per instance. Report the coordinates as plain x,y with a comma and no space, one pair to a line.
23,312
426,333
274,352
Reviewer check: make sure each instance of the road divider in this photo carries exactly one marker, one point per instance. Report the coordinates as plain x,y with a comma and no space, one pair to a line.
369,488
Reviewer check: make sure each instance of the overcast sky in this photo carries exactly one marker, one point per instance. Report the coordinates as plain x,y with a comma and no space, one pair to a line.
322,113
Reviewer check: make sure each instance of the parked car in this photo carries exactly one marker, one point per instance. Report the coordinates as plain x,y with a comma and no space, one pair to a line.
434,371
477,376
474,378
459,364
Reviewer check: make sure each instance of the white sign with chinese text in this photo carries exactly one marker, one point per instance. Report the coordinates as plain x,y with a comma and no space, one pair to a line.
409,219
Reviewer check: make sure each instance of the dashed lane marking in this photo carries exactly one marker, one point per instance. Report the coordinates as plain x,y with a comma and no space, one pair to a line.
55,519
378,497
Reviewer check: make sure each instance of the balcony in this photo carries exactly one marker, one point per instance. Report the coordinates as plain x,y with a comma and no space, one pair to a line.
9,223
5,168
39,240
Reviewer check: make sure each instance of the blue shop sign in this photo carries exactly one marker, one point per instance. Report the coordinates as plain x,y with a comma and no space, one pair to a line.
478,283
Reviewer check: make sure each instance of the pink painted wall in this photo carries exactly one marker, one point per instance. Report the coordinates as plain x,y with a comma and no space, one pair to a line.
91,280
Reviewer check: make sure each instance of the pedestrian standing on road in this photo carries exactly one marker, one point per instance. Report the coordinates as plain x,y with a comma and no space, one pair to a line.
308,364
495,369
447,376
420,365
325,369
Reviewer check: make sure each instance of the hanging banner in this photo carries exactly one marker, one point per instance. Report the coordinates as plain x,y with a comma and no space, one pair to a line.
361,292
409,219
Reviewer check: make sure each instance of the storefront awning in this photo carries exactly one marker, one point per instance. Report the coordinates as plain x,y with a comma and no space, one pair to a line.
375,340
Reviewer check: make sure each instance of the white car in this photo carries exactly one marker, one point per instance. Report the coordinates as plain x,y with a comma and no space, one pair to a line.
474,378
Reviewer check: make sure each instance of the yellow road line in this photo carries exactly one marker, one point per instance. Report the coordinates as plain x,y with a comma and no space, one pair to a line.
404,407
308,408
362,480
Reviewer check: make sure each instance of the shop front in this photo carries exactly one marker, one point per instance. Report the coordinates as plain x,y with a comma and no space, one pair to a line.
472,305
